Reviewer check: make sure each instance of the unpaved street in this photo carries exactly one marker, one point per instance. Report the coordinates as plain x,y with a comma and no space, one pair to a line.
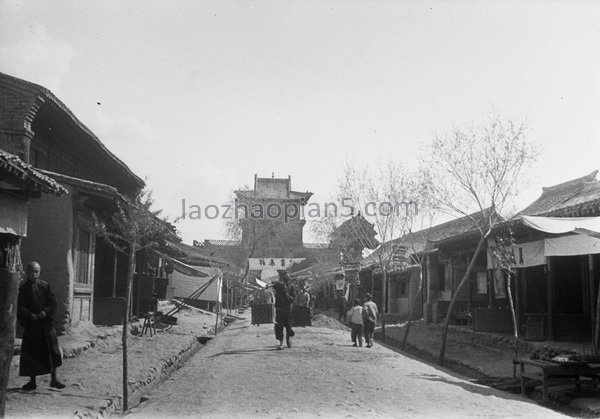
242,374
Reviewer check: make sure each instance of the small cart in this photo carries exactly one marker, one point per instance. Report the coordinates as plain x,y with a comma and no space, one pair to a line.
262,314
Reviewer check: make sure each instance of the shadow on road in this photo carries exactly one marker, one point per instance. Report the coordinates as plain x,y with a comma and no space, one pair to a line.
473,388
244,351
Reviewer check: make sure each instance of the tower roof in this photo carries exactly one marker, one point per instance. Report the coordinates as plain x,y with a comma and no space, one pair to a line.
273,188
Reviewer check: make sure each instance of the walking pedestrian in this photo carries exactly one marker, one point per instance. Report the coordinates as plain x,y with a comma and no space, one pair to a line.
342,306
284,298
356,322
370,319
313,300
303,299
36,308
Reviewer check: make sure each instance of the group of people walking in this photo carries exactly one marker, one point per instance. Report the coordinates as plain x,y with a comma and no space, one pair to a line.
361,319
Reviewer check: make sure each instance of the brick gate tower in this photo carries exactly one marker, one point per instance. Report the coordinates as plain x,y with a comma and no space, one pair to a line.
272,217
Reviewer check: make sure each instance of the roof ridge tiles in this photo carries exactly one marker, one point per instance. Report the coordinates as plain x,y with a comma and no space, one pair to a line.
570,183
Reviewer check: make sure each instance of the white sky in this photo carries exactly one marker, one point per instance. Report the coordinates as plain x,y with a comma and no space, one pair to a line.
198,96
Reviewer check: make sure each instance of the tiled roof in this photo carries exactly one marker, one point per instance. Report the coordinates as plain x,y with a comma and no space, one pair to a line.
17,169
468,227
423,240
355,229
20,101
87,185
577,197
272,188
292,195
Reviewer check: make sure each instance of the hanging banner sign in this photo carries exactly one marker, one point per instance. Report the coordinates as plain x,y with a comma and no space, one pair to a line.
258,264
524,255
535,253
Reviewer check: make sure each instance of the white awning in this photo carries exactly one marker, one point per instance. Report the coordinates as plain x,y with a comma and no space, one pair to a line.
558,225
586,242
185,285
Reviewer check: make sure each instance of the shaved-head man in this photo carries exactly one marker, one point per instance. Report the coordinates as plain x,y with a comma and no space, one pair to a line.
36,309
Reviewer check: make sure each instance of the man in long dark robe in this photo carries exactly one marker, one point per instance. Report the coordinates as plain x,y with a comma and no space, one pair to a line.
36,309
284,297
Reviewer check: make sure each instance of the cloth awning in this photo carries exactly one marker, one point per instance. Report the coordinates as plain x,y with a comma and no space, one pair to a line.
534,253
185,285
187,279
561,225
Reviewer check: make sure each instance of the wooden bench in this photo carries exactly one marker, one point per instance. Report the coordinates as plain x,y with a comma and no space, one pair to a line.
546,370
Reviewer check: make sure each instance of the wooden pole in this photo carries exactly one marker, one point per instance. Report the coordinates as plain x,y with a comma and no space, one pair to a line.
217,309
413,308
550,283
592,295
115,261
125,321
9,285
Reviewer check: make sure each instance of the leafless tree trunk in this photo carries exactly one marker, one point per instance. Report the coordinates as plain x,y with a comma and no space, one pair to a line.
413,308
139,227
462,282
130,270
514,319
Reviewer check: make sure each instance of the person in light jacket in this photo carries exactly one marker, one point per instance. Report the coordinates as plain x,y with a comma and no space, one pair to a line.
355,317
370,313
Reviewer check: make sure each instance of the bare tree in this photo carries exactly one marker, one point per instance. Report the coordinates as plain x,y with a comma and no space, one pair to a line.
476,170
419,224
504,256
383,197
134,226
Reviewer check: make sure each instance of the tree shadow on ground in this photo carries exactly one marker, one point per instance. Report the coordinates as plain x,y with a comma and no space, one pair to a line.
471,387
245,351
346,345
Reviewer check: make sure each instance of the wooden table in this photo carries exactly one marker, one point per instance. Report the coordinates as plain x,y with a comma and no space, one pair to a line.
554,369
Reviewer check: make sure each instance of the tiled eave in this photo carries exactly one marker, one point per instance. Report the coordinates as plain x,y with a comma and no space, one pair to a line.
17,169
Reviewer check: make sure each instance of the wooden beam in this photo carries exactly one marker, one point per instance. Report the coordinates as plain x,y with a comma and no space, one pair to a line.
550,293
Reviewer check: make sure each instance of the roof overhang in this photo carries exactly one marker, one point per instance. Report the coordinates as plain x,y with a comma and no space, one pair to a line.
86,186
15,171
562,225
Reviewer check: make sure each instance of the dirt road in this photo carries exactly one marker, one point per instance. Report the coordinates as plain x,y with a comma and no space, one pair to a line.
242,374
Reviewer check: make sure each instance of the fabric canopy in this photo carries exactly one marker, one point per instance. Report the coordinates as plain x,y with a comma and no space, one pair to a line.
557,225
534,253
184,267
185,285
